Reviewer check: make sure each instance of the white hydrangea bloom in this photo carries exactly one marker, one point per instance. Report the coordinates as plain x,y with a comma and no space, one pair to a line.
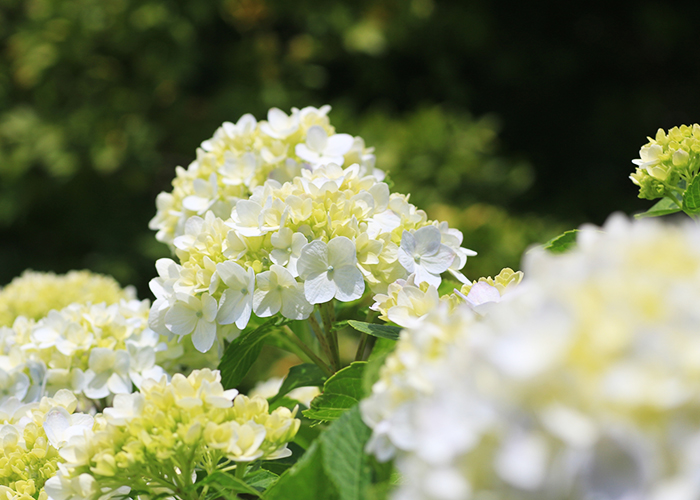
243,155
95,350
583,383
329,232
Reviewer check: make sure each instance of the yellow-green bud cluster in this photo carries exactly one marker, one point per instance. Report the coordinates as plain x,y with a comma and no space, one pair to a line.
668,162
28,457
34,294
244,155
156,441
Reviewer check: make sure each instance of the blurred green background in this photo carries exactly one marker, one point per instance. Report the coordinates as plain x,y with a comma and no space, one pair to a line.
512,122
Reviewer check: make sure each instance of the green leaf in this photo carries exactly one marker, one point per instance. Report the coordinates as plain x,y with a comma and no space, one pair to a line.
260,479
691,197
344,460
303,375
665,206
226,483
562,243
340,393
334,468
242,353
305,480
382,348
383,331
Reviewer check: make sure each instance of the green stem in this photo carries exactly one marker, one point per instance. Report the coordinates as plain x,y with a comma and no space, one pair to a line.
328,316
361,347
240,470
318,331
296,341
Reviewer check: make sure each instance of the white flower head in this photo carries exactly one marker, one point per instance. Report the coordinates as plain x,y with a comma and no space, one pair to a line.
320,149
237,300
422,253
190,314
278,290
330,271
279,125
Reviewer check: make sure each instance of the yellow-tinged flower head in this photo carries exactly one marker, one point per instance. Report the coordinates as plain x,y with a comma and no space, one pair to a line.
668,162
324,235
407,303
95,350
34,294
161,435
29,438
242,156
583,382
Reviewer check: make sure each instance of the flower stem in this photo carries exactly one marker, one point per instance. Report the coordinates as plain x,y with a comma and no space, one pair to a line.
361,347
318,331
328,316
292,337
240,470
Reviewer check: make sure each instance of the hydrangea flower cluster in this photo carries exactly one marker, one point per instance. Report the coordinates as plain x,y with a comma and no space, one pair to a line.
241,156
94,350
407,303
668,162
319,237
408,372
34,294
30,435
157,439
582,383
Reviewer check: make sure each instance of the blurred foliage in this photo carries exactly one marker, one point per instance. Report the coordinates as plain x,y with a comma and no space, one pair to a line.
101,99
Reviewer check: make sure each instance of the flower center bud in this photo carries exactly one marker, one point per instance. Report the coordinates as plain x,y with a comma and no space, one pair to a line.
330,269
416,258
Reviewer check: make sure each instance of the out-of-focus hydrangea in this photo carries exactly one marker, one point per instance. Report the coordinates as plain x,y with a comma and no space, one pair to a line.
154,441
407,303
34,294
95,350
241,156
319,237
270,387
668,162
582,383
30,435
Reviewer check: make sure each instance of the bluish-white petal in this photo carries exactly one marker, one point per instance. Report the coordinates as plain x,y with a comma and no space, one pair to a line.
341,252
350,283
204,335
180,319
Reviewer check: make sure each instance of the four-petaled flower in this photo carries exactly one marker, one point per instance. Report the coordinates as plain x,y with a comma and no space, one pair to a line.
278,290
330,270
191,314
422,253
237,300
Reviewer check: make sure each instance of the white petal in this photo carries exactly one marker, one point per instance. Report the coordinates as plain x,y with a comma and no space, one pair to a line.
56,422
341,252
427,240
267,304
204,335
338,144
180,319
350,283
438,262
319,289
313,259
209,307
294,304
317,138
231,273
481,293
